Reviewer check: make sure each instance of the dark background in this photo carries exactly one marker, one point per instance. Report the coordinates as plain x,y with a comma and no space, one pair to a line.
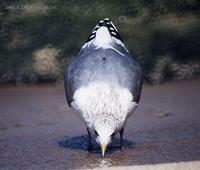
39,38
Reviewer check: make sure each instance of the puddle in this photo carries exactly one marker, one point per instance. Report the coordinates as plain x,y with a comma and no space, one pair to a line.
164,129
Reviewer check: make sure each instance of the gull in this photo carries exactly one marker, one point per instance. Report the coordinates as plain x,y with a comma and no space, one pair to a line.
103,83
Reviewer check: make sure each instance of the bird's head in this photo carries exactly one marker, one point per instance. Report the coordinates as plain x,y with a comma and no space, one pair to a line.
103,133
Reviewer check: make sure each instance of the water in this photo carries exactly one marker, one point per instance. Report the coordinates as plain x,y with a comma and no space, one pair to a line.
38,131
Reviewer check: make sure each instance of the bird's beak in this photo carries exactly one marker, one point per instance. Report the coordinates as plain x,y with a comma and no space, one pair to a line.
103,149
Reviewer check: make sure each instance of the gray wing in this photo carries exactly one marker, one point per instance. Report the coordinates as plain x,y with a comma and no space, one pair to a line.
67,85
137,90
136,79
107,65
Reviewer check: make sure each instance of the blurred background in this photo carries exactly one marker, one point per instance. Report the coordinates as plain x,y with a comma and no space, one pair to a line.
38,38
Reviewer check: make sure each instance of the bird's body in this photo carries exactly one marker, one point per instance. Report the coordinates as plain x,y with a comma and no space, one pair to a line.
104,83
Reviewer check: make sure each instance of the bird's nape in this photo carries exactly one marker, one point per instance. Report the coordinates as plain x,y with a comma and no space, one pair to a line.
104,140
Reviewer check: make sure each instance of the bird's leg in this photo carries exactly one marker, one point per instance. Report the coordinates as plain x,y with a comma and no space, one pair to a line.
89,141
121,132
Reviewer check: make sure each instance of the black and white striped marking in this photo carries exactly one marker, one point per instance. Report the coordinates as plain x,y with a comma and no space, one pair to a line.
106,22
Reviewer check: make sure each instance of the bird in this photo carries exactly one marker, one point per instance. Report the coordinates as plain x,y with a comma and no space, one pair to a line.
103,84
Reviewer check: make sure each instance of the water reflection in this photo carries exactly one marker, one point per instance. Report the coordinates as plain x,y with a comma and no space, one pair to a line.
81,143
104,163
78,147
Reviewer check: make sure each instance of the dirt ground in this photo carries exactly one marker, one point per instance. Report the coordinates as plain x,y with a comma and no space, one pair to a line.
39,131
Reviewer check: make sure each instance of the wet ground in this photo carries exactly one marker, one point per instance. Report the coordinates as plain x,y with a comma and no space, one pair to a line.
39,131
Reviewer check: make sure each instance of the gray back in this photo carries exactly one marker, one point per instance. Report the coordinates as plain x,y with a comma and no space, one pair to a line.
111,65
